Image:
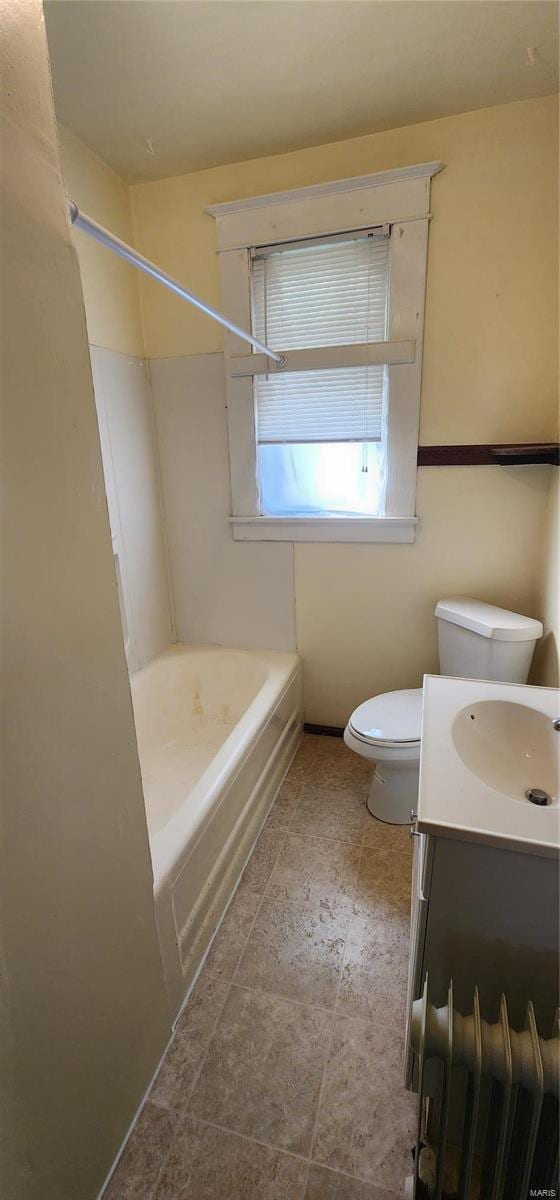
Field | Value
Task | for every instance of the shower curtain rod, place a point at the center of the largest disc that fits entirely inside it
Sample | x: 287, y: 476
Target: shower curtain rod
x: 102, y: 235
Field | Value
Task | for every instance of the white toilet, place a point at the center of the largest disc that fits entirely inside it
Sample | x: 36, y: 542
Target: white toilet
x: 476, y: 641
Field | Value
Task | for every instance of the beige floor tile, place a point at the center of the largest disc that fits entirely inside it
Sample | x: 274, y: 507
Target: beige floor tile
x: 324, y: 1184
x: 374, y: 975
x: 262, y: 1073
x: 315, y: 873
x: 259, y: 868
x: 336, y: 771
x: 185, y: 1054
x: 326, y: 760
x: 210, y: 1164
x: 295, y: 952
x: 230, y: 939
x: 331, y: 812
x: 379, y: 835
x: 285, y: 805
x: 383, y: 887
x: 367, y: 1120
x: 139, y: 1168
x: 333, y: 922
x: 311, y: 747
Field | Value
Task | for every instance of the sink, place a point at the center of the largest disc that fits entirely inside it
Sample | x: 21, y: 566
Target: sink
x: 484, y: 746
x: 510, y: 746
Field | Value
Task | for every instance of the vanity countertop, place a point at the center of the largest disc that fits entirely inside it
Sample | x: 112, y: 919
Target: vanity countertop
x: 484, y: 746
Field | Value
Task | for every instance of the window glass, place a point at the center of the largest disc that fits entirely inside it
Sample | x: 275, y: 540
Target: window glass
x: 323, y: 479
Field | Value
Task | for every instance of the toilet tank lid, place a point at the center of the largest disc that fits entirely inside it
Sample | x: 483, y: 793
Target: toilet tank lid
x: 488, y: 620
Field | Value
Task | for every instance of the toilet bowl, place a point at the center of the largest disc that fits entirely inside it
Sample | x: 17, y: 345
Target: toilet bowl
x: 387, y: 731
x: 476, y: 641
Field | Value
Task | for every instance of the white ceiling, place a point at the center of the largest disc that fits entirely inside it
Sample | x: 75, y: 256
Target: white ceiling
x: 221, y: 81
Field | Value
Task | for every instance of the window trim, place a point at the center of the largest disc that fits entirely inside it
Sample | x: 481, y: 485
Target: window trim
x: 399, y: 198
x: 316, y: 358
x: 324, y: 529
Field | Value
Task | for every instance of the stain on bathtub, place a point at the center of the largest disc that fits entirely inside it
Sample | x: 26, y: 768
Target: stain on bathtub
x: 197, y: 705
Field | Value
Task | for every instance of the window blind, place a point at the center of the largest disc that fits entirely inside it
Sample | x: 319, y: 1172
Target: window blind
x: 327, y: 294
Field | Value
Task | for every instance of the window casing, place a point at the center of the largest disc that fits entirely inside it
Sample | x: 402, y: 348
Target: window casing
x: 341, y: 211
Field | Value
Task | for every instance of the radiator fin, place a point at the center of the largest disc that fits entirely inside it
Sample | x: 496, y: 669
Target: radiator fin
x: 488, y: 1113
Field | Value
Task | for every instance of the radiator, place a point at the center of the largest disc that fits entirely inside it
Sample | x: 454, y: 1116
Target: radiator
x: 488, y: 1113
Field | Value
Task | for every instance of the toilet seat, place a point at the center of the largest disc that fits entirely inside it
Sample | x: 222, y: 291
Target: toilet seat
x: 393, y: 719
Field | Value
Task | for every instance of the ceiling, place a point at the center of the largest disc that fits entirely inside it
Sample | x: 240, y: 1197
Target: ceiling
x: 161, y: 87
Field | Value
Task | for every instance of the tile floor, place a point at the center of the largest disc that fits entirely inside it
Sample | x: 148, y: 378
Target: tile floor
x: 284, y: 1079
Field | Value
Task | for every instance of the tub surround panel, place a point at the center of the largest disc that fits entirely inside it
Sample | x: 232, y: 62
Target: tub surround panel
x: 227, y: 593
x: 126, y: 427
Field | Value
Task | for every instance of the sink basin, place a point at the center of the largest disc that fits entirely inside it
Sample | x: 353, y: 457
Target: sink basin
x: 509, y: 746
x: 484, y: 746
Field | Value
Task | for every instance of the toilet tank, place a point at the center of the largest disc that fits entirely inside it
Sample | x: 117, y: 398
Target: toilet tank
x: 480, y: 641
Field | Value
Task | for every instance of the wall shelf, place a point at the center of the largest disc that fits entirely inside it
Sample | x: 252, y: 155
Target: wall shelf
x: 502, y: 454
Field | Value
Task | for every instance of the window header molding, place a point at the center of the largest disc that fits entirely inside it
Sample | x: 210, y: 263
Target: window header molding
x: 364, y: 201
x: 333, y: 187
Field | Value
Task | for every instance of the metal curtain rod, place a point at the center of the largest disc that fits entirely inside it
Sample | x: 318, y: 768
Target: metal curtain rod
x: 81, y: 221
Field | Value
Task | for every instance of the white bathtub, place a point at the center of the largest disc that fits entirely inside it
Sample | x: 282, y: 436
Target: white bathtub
x: 216, y: 732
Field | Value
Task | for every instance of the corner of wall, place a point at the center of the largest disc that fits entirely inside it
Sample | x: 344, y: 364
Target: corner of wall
x: 111, y: 287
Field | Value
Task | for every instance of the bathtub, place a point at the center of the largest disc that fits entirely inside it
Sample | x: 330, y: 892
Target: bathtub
x: 216, y: 731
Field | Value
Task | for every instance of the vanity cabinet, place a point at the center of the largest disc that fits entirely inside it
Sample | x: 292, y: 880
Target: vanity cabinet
x: 484, y: 917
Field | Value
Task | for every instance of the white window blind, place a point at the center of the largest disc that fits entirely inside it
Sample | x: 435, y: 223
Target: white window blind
x: 328, y: 294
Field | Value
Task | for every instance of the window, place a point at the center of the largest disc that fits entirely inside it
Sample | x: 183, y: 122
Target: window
x: 324, y: 446
x: 321, y: 434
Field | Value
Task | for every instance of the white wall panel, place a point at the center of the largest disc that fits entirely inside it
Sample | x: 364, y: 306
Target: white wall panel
x: 126, y: 427
x: 225, y: 592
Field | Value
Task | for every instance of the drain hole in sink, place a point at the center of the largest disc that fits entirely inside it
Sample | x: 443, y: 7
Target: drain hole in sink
x: 538, y: 796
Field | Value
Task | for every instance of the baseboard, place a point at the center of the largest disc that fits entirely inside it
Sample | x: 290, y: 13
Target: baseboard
x: 135, y: 1118
x: 324, y: 730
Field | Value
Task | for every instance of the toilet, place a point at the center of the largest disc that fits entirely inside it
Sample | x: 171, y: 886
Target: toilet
x: 476, y: 641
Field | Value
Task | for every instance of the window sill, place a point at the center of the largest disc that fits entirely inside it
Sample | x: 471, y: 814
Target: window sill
x: 323, y: 529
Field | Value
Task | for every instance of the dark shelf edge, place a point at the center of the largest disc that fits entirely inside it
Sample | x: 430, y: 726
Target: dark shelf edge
x: 490, y: 455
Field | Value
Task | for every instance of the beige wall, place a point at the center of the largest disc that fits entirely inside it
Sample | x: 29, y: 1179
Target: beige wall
x: 491, y: 331
x: 84, y: 1003
x: 366, y: 621
x: 364, y: 614
x: 110, y: 285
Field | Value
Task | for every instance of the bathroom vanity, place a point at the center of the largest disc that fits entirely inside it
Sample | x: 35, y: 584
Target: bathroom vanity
x: 485, y: 895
